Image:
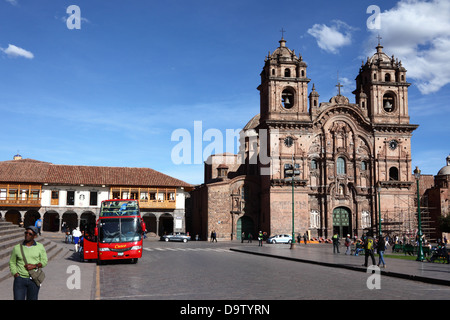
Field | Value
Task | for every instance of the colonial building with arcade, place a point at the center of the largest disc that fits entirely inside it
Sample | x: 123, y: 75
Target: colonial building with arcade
x: 31, y: 189
x: 351, y: 160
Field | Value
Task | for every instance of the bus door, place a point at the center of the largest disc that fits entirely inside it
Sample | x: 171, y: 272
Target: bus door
x: 90, y: 249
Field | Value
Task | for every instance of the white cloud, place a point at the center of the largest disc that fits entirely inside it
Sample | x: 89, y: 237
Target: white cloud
x: 14, y: 51
x: 418, y: 32
x: 13, y: 2
x: 332, y: 38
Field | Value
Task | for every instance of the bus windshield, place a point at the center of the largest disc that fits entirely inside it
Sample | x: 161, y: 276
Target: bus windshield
x: 119, y: 208
x: 120, y: 230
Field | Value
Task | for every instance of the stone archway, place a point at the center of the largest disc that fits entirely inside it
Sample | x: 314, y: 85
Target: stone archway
x: 150, y: 222
x: 13, y: 216
x: 51, y: 221
x: 165, y: 224
x: 30, y: 218
x: 71, y: 219
x: 88, y: 221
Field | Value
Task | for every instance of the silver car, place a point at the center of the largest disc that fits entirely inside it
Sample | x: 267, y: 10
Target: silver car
x: 280, y: 238
x: 176, y: 236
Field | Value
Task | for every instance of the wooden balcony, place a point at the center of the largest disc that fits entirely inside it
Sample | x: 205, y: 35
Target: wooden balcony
x: 149, y: 197
x: 155, y: 204
x: 20, y: 203
x: 17, y: 195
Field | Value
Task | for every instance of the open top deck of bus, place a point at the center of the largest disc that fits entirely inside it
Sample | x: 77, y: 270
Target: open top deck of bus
x: 119, y: 207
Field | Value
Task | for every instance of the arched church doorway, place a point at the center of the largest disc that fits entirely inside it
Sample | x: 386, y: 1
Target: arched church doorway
x: 246, y: 225
x: 341, y: 221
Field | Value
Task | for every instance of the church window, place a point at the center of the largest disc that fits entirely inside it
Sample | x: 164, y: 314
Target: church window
x: 388, y: 102
x: 273, y: 72
x: 303, y: 73
x: 387, y: 77
x: 402, y: 77
x: 363, y: 166
x: 287, y: 73
x: 287, y: 99
x: 393, y: 174
x: 340, y: 166
x: 313, y: 164
x: 374, y: 76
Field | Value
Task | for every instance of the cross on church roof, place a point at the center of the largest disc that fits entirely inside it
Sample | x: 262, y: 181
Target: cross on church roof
x: 282, y: 33
x: 379, y: 38
x: 339, y: 85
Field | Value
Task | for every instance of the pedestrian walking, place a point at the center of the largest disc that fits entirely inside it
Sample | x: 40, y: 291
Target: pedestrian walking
x: 335, y: 243
x: 368, y: 248
x: 38, y: 225
x: 213, y: 236
x: 260, y: 239
x: 242, y: 237
x: 76, y: 237
x: 381, y: 247
x: 305, y: 238
x: 249, y: 238
x: 348, y: 244
x: 24, y: 288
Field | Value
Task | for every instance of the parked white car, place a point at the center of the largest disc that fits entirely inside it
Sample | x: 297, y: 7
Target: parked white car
x: 280, y: 238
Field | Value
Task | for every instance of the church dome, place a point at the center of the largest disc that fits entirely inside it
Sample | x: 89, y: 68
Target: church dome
x: 284, y: 53
x: 445, y: 170
x: 253, y: 123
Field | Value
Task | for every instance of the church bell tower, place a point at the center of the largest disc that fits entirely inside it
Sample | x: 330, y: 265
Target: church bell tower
x: 284, y: 86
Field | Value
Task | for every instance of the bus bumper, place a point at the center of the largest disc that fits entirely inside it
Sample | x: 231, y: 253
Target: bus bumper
x: 113, y: 254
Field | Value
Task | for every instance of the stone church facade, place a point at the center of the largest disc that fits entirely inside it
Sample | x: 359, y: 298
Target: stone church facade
x: 351, y: 161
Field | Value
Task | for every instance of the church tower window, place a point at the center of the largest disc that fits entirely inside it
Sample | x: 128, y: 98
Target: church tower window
x: 393, y: 174
x: 387, y: 77
x: 287, y: 73
x: 388, y: 102
x: 287, y: 98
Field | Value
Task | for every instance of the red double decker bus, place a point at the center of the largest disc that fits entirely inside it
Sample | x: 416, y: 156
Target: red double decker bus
x: 118, y: 233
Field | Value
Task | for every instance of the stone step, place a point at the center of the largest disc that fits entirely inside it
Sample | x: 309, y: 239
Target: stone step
x: 11, y: 235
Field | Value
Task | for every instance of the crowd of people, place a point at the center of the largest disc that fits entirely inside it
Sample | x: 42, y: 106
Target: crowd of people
x: 380, y: 244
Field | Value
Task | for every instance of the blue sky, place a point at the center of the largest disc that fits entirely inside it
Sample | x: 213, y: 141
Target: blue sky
x: 113, y: 92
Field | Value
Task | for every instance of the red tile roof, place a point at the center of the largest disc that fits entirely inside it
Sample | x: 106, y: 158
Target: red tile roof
x: 33, y: 171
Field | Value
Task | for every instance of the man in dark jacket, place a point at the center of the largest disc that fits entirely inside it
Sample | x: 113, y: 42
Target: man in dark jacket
x: 335, y: 243
x: 369, y: 245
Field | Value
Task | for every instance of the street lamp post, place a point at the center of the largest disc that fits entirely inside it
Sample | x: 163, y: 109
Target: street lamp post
x: 292, y: 171
x: 379, y: 209
x: 420, y: 256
